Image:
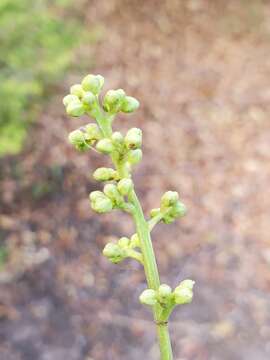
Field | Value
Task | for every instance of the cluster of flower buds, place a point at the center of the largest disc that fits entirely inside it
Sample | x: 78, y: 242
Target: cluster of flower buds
x: 117, y: 101
x: 170, y: 208
x: 83, y: 97
x: 167, y: 298
x: 124, y: 248
x: 113, y: 195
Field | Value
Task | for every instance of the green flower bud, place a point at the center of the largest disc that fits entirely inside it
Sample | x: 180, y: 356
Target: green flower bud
x: 125, y: 186
x: 113, y: 100
x: 105, y: 146
x: 76, y: 138
x: 134, y: 241
x: 69, y: 98
x: 110, y: 190
x: 130, y: 104
x: 104, y: 174
x: 88, y: 99
x: 93, y: 83
x: 117, y: 138
x: 75, y: 108
x: 179, y: 209
x: 183, y: 293
x: 154, y: 212
x: 148, y: 297
x: 134, y: 156
x: 77, y: 90
x: 123, y: 242
x: 102, y: 205
x: 164, y: 293
x: 169, y: 198
x: 95, y: 195
x: 133, y: 139
x: 93, y: 132
x: 114, y: 253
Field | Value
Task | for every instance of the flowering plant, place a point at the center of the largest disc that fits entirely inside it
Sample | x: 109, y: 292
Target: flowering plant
x: 119, y: 193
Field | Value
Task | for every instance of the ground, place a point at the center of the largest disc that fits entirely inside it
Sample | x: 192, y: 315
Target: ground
x: 200, y: 70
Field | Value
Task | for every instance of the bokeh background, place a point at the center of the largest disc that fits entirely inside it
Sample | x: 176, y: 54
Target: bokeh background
x: 200, y: 69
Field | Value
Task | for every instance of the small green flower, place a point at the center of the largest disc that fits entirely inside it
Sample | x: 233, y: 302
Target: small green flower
x: 114, y: 253
x: 117, y: 138
x: 134, y: 241
x: 164, y: 292
x: 130, y: 104
x: 183, y: 293
x: 77, y: 90
x: 113, y: 100
x: 93, y: 83
x: 134, y: 156
x: 93, y: 132
x: 75, y: 108
x: 133, y: 138
x: 105, y: 146
x: 148, y: 297
x: 125, y: 186
x: 69, y: 98
x: 111, y: 191
x: 105, y: 174
x: 102, y: 204
x: 169, y: 199
x: 76, y: 138
x: 124, y: 242
x: 88, y: 99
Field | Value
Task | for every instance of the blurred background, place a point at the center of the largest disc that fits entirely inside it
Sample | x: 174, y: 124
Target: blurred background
x: 200, y: 69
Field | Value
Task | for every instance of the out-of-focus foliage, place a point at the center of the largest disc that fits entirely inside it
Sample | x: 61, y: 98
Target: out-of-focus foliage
x: 36, y: 48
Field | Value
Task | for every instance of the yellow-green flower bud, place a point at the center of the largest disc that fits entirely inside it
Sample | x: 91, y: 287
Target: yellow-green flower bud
x: 130, y: 104
x: 102, y: 205
x: 69, y: 98
x: 117, y: 138
x: 148, y: 297
x: 134, y: 241
x: 110, y: 190
x: 77, y: 90
x: 93, y: 132
x: 95, y: 195
x: 104, y: 174
x: 125, y: 186
x: 88, y: 99
x: 164, y: 293
x: 133, y: 139
x: 179, y: 210
x: 75, y: 108
x: 93, y: 83
x: 105, y: 146
x: 114, y: 253
x: 123, y: 242
x: 154, y: 212
x: 113, y: 100
x: 170, y: 198
x: 183, y: 293
x: 76, y: 138
x: 134, y: 156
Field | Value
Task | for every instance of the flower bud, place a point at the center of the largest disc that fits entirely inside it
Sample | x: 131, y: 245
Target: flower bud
x: 125, y: 186
x: 164, y: 293
x: 76, y: 138
x: 169, y: 198
x: 134, y: 241
x: 113, y: 100
x: 95, y: 195
x: 133, y: 139
x: 88, y: 99
x: 102, y: 204
x: 93, y: 132
x: 154, y: 212
x: 179, y: 209
x: 114, y: 253
x: 134, y: 156
x: 77, y: 90
x: 93, y: 83
x: 148, y: 297
x: 110, y: 190
x: 105, y: 146
x: 117, y: 138
x: 123, y: 242
x: 104, y: 174
x: 183, y: 293
x: 75, y: 108
x: 69, y: 98
x: 130, y: 104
